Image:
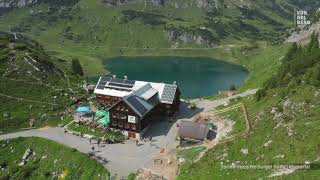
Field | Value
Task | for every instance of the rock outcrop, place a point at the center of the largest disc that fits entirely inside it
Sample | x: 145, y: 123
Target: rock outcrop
x: 198, y: 36
x: 16, y: 3
x: 205, y: 4
x: 303, y: 36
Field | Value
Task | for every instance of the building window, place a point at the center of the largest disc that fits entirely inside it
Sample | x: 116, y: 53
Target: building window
x: 133, y: 126
x: 114, y: 123
x: 117, y: 115
x: 114, y: 115
x: 123, y: 117
x: 120, y: 124
x: 126, y: 125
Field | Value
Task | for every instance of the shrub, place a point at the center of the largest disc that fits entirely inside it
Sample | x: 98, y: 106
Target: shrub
x: 145, y: 17
x: 232, y: 87
x: 193, y: 105
x: 5, y: 177
x: 261, y: 93
x: 76, y: 67
x: 3, y: 164
x: 131, y: 176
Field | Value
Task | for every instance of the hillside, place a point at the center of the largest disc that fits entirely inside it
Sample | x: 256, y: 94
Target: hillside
x: 302, y: 36
x: 92, y: 29
x: 41, y: 40
x: 284, y: 120
x: 207, y: 23
x: 48, y: 160
x: 37, y: 86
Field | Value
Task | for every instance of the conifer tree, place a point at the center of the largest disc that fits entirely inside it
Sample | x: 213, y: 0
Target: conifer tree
x: 76, y: 67
x: 314, y: 42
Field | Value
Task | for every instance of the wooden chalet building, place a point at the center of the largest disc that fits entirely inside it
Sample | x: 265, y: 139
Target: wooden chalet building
x: 135, y: 104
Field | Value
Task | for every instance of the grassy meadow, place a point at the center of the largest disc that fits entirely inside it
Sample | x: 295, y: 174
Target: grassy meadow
x: 49, y: 160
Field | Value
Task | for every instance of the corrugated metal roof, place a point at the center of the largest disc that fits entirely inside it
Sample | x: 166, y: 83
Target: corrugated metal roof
x: 193, y: 130
x: 149, y: 94
x: 145, y: 90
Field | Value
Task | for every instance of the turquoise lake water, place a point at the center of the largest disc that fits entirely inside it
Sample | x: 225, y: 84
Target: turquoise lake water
x: 196, y: 77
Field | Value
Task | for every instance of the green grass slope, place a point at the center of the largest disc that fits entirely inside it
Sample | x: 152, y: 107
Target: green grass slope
x: 92, y: 30
x: 49, y: 161
x: 35, y: 86
x: 284, y: 119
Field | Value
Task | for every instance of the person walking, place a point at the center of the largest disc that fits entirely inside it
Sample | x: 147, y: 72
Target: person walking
x: 98, y: 142
x: 90, y: 140
x: 137, y: 142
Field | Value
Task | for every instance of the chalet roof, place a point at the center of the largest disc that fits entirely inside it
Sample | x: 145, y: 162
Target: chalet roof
x: 168, y: 94
x: 136, y: 105
x: 144, y: 90
x: 193, y: 130
x: 139, y: 105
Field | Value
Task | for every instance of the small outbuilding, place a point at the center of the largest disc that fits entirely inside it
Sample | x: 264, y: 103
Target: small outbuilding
x: 192, y: 131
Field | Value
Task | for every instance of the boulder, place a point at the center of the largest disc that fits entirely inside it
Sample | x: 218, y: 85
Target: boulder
x: 267, y: 143
x: 26, y: 154
x: 245, y: 150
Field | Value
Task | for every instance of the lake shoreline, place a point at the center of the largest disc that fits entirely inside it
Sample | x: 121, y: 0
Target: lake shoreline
x: 196, y: 77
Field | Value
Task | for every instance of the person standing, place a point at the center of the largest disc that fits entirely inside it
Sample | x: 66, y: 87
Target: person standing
x: 92, y: 148
x: 98, y: 142
x: 90, y: 140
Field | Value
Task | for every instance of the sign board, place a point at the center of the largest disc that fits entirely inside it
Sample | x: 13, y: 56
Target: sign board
x: 131, y: 119
x: 301, y: 18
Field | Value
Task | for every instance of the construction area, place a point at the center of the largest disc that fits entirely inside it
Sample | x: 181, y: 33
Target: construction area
x: 167, y: 164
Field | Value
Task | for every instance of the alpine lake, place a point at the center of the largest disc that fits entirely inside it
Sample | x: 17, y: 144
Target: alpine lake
x: 195, y: 77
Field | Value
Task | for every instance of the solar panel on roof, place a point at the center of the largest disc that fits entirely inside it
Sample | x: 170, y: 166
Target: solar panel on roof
x: 137, y: 105
x: 131, y: 82
x: 103, y: 78
x: 120, y: 85
x: 119, y: 81
x: 100, y: 87
x: 101, y: 84
x: 127, y: 85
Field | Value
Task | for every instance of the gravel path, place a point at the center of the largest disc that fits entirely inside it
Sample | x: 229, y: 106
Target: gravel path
x: 123, y: 158
x: 209, y: 105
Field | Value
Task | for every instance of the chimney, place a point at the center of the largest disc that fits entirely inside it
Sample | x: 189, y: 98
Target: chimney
x: 174, y: 82
x: 114, y: 76
x: 125, y: 77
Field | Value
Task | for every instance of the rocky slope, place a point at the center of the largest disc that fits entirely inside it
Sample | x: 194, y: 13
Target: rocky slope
x: 24, y: 59
x: 37, y: 85
x: 302, y: 36
x: 17, y: 3
x: 178, y: 23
